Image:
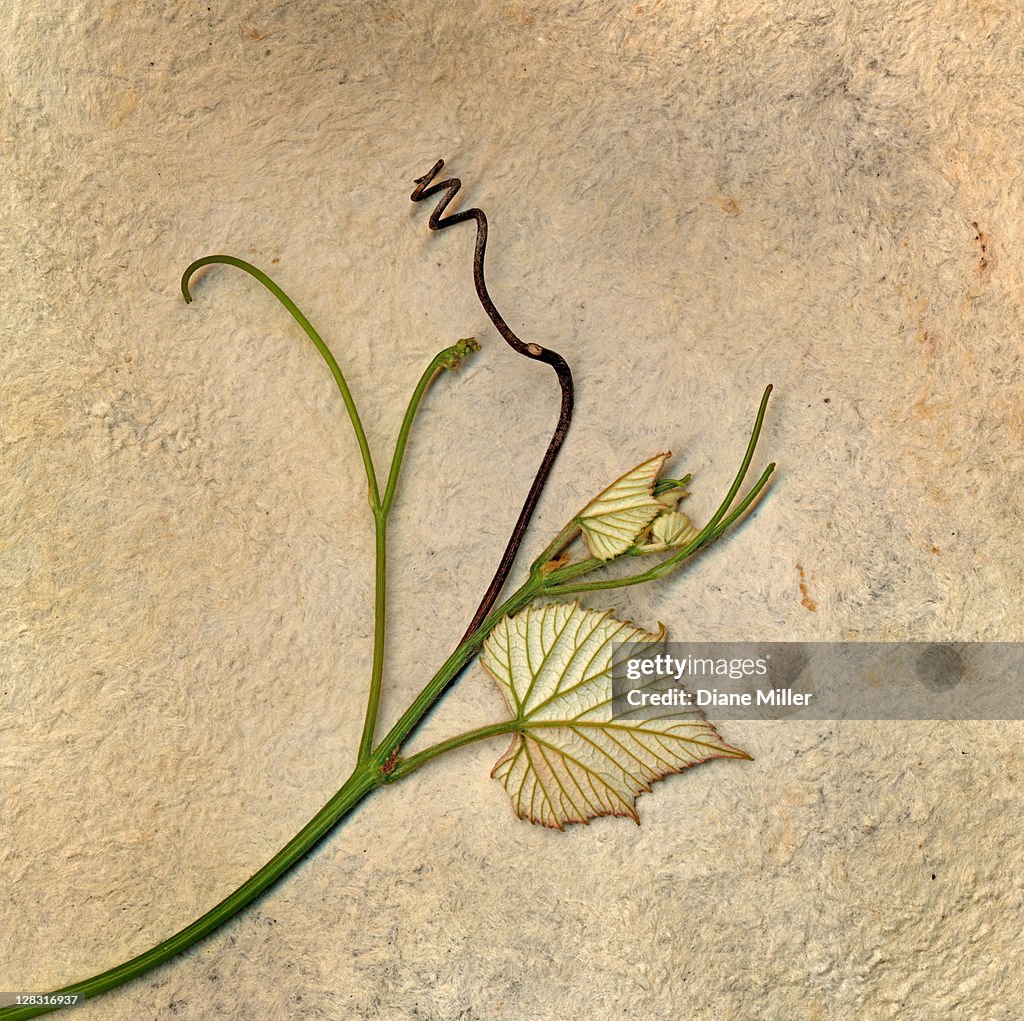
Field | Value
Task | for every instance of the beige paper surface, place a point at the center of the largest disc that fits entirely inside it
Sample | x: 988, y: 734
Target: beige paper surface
x: 688, y: 202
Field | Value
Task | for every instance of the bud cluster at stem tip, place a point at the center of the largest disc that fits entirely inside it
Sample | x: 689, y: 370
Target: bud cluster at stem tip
x: 459, y: 350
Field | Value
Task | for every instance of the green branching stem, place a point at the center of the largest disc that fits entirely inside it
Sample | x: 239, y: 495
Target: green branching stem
x: 449, y: 358
x: 530, y: 591
x: 379, y: 765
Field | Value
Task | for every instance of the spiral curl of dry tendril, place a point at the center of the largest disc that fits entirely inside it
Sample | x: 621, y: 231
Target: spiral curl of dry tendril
x: 449, y: 187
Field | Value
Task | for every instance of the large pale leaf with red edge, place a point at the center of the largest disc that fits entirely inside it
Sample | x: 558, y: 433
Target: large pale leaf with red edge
x: 618, y: 516
x: 569, y: 761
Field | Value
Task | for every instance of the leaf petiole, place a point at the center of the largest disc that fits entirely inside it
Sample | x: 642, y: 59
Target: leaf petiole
x: 404, y: 766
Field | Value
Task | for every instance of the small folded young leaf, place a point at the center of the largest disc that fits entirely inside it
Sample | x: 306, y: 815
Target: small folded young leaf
x: 569, y: 760
x: 617, y: 517
x: 670, y: 530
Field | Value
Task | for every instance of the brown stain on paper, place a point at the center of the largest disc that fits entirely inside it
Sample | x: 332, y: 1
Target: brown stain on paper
x: 983, y: 241
x: 805, y: 593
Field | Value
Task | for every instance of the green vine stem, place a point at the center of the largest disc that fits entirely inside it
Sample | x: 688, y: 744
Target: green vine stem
x: 383, y: 764
x: 354, y: 790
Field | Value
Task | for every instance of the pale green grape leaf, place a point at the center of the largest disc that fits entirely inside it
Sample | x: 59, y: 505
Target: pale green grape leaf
x: 569, y: 760
x: 668, y: 531
x: 617, y: 517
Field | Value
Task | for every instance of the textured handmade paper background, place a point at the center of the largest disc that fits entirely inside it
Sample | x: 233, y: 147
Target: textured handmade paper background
x: 688, y: 201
